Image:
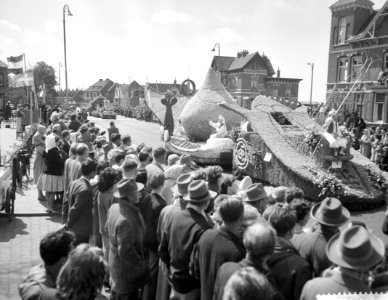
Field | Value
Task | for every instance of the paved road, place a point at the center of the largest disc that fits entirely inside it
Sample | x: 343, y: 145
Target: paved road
x: 140, y: 131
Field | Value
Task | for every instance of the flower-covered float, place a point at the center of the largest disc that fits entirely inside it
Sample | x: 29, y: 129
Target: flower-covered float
x: 286, y: 147
x: 202, y: 126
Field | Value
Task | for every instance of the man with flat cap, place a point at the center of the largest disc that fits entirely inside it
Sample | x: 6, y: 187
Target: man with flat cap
x: 330, y: 215
x: 181, y: 235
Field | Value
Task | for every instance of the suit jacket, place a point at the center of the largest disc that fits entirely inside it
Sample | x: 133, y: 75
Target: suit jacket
x: 177, y: 244
x: 214, y: 248
x: 126, y: 229
x: 80, y: 195
x: 312, y: 247
x: 338, y: 282
x: 72, y: 171
x: 150, y: 207
x: 289, y: 270
x: 229, y: 268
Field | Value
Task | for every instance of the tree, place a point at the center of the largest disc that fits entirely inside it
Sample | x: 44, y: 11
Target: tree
x: 44, y: 78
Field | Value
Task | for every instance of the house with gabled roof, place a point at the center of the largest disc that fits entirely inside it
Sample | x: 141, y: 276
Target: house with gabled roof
x: 102, y: 87
x: 128, y: 95
x: 358, y: 59
x: 250, y: 74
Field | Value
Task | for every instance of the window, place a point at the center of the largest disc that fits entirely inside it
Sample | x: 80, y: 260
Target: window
x: 1, y: 79
x: 356, y: 66
x: 288, y: 93
x: 385, y: 62
x: 343, y: 69
x: 379, y: 107
x: 335, y: 35
x: 254, y: 81
x: 275, y: 93
x: 342, y: 31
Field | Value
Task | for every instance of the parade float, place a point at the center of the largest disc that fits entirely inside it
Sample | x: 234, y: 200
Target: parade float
x: 286, y: 147
x: 196, y: 125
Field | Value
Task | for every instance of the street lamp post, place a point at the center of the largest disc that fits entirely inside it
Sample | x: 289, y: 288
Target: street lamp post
x: 65, y: 8
x: 219, y: 48
x: 311, y: 86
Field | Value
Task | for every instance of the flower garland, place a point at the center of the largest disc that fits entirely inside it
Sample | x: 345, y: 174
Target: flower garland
x: 234, y: 134
x: 312, y: 138
x: 377, y: 179
x: 330, y: 185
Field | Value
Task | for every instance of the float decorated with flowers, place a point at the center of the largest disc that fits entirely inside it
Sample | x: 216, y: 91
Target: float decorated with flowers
x: 286, y: 147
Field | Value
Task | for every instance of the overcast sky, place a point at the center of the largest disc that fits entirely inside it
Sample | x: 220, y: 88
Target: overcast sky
x: 161, y: 40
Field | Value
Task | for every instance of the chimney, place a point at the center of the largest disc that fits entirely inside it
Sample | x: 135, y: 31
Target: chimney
x: 107, y: 79
x: 239, y: 54
x: 175, y: 80
x: 100, y: 80
x: 245, y: 53
x: 278, y: 73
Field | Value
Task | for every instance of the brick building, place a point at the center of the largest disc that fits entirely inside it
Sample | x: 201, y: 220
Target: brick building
x: 74, y: 98
x: 250, y: 74
x: 127, y: 95
x: 358, y: 59
x: 102, y: 87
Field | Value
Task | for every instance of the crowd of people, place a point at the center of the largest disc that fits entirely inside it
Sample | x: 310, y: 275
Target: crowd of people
x: 143, y: 223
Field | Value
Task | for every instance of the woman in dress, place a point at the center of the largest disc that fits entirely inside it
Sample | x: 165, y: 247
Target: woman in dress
x: 51, y: 181
x: 39, y: 165
x: 365, y: 144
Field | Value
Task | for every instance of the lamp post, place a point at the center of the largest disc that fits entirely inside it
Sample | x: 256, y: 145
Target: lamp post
x: 311, y: 87
x: 219, y: 48
x: 65, y: 8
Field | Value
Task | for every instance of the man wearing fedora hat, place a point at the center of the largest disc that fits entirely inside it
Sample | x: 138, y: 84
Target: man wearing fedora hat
x: 355, y: 251
x: 180, y: 189
x: 128, y: 268
x: 330, y: 215
x: 257, y: 197
x: 178, y: 240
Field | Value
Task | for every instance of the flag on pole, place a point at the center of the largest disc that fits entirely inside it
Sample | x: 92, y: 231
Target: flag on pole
x: 23, y: 79
x: 16, y: 64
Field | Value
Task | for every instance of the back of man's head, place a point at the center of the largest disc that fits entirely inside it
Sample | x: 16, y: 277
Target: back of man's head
x: 81, y: 149
x: 126, y: 139
x: 88, y: 167
x: 129, y: 165
x: 143, y: 156
x: 259, y: 240
x: 282, y: 219
x: 156, y: 180
x: 159, y: 153
x: 56, y: 245
x: 231, y: 209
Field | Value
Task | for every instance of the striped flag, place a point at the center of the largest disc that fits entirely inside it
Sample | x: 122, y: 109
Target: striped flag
x: 16, y: 64
x: 23, y: 79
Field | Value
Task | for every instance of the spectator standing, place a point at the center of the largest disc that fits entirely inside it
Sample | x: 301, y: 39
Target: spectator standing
x: 128, y: 268
x: 127, y: 145
x: 74, y: 124
x: 256, y: 197
x: 55, y: 119
x: 39, y: 164
x: 80, y: 195
x: 72, y: 171
x: 356, y: 251
x: 216, y: 247
x: 259, y: 242
x: 302, y: 209
x: 65, y: 145
x: 151, y: 207
x: 365, y: 144
x: 144, y: 160
x: 157, y: 165
x: 51, y: 181
x: 111, y: 130
x: 40, y: 281
x: 178, y: 240
x: 330, y: 215
x: 116, y: 140
x: 289, y: 270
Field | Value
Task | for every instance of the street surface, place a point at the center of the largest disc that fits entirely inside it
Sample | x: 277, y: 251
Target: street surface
x: 19, y: 239
x: 140, y: 131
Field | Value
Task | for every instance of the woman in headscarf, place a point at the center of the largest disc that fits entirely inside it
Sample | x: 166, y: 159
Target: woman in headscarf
x: 365, y: 144
x: 51, y: 181
x: 39, y: 165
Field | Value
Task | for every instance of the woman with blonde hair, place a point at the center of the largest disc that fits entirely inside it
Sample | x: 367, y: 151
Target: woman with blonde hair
x: 39, y: 164
x: 81, y: 277
x: 365, y: 144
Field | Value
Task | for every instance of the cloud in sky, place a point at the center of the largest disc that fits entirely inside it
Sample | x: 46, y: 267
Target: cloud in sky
x: 161, y: 40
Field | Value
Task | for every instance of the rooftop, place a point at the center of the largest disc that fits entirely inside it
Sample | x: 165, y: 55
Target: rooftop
x: 100, y: 85
x: 350, y: 3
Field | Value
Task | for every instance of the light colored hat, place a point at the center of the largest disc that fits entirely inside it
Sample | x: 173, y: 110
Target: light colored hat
x: 245, y: 183
x: 255, y: 192
x: 182, y: 184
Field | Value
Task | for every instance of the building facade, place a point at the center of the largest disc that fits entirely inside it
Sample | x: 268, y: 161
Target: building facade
x: 74, y: 98
x: 358, y: 59
x: 102, y: 87
x: 127, y: 95
x: 250, y: 74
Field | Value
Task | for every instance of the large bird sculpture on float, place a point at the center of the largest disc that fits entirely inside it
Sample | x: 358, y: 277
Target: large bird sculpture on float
x: 278, y: 151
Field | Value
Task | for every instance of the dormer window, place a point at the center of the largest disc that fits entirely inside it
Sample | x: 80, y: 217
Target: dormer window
x: 343, y: 30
